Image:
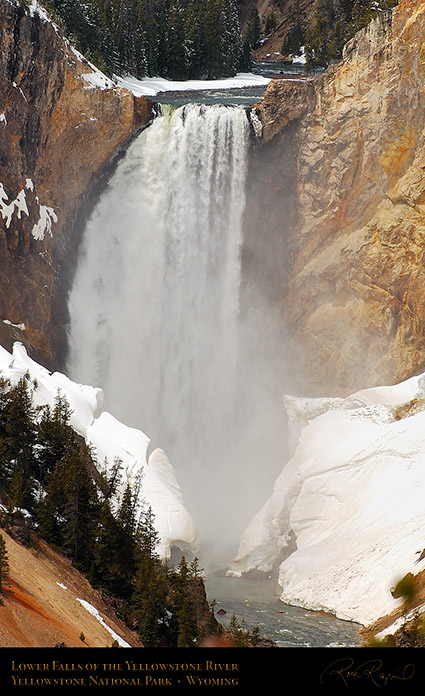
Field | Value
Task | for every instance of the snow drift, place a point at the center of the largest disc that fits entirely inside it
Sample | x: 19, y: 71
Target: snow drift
x: 109, y: 439
x: 347, y: 513
x: 151, y: 86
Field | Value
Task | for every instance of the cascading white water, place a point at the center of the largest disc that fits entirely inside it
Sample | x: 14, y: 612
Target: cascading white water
x: 154, y: 309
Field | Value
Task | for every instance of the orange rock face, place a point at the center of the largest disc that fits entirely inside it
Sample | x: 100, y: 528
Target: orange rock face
x: 58, y: 132
x: 353, y: 251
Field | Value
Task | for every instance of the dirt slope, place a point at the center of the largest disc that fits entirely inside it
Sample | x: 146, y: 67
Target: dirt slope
x: 285, y: 12
x: 37, y: 611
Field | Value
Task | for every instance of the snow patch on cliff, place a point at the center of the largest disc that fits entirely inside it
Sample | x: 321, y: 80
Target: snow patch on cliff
x: 97, y: 79
x: 44, y: 224
x: 15, y: 326
x: 109, y: 439
x: 347, y: 509
x: 36, y: 8
x: 17, y: 207
x: 9, y: 208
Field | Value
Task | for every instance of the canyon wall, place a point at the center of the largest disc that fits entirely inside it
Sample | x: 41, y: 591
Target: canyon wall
x: 59, y: 129
x: 349, y: 206
x: 335, y: 215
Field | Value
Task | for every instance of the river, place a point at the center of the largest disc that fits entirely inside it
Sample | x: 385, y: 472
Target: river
x: 238, y: 96
x: 255, y: 602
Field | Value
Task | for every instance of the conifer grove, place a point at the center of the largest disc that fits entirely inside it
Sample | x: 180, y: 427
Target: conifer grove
x: 48, y: 475
x: 177, y: 39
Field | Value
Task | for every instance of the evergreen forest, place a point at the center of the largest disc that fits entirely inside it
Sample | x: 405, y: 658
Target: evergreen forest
x: 175, y: 39
x: 50, y: 484
x: 197, y: 39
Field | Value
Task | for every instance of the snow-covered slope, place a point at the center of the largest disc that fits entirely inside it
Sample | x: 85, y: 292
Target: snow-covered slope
x: 150, y: 86
x: 110, y: 439
x: 352, y: 497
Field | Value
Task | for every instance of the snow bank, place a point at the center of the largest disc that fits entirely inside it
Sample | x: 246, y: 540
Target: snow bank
x: 352, y: 498
x: 110, y: 439
x: 153, y: 85
x: 94, y: 612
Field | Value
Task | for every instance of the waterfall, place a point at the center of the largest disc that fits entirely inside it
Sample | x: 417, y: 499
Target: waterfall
x: 154, y: 309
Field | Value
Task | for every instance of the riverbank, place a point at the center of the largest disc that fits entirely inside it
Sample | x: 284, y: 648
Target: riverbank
x: 256, y: 602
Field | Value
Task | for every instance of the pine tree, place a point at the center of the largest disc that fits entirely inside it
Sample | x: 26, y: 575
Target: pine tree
x: 55, y: 436
x: 82, y: 22
x: 109, y: 567
x: 4, y: 392
x: 18, y: 443
x: 78, y: 511
x: 126, y: 539
x: 156, y: 27
x: 295, y: 37
x: 178, y: 49
x: 149, y: 600
x: 19, y: 495
x: 147, y: 536
x: 271, y: 23
x: 195, y: 571
x: 223, y: 45
x: 4, y: 561
x: 70, y: 494
x: 317, y: 35
x: 109, y: 478
x: 252, y: 32
x: 183, y: 607
x: 212, y: 626
x: 50, y: 512
x: 195, y: 40
x: 4, y: 465
x: 238, y: 633
x: 127, y: 512
x: 187, y: 634
x: 19, y: 425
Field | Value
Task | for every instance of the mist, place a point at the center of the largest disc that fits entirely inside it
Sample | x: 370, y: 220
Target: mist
x: 163, y: 321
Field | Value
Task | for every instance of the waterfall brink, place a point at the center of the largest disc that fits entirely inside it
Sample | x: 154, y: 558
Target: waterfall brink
x: 154, y: 309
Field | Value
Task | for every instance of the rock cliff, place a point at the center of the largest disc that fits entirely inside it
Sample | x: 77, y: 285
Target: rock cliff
x: 61, y: 122
x: 347, y: 186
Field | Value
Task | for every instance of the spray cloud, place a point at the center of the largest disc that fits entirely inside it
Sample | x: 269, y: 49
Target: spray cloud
x: 156, y: 321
